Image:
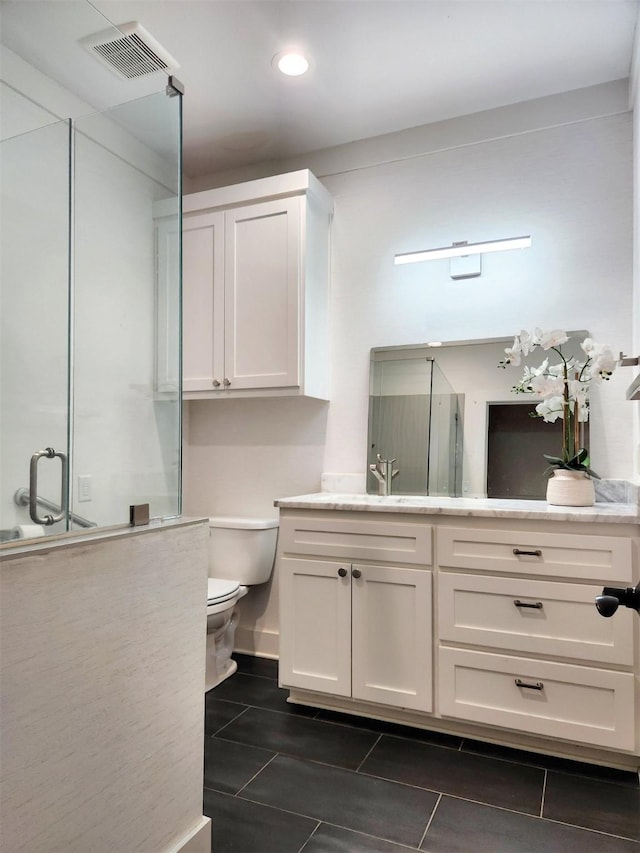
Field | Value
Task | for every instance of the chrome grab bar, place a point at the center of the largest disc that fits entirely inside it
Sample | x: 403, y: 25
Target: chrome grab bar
x: 22, y: 498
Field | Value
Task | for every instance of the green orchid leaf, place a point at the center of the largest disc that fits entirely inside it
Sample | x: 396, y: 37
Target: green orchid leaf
x: 579, y: 462
x: 554, y: 460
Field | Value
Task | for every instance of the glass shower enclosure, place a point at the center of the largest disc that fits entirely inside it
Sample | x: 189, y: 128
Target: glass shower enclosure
x: 415, y: 418
x: 90, y: 393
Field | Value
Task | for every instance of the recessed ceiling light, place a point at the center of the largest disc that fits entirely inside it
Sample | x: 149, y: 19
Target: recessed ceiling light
x: 291, y: 63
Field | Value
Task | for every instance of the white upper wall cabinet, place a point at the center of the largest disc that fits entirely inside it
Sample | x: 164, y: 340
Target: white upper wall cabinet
x: 255, y: 289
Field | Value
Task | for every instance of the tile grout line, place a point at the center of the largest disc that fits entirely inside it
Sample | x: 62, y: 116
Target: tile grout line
x: 357, y: 770
x: 228, y: 723
x: 429, y: 822
x: 315, y: 829
x: 583, y: 828
x: 400, y: 844
x: 544, y: 791
x: 305, y: 760
x: 255, y: 675
x: 255, y: 775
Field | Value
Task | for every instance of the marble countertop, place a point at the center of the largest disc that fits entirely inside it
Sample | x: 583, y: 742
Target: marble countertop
x: 479, y: 507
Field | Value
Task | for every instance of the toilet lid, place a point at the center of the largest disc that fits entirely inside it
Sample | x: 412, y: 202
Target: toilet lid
x: 221, y: 590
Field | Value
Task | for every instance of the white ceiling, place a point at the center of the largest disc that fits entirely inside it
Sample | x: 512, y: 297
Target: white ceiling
x: 377, y: 66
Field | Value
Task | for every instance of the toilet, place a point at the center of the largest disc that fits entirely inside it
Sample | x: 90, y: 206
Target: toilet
x: 241, y: 555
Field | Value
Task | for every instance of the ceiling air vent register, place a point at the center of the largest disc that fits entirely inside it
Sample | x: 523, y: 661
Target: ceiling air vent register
x: 130, y: 51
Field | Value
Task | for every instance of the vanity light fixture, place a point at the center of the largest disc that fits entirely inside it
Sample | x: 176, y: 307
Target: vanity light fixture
x: 465, y: 256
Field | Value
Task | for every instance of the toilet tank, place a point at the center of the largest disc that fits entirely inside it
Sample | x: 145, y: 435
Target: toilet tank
x: 242, y: 549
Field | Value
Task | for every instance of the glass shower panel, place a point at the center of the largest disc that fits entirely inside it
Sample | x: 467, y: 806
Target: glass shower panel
x: 34, y: 318
x: 445, y: 442
x: 127, y: 392
x: 399, y: 421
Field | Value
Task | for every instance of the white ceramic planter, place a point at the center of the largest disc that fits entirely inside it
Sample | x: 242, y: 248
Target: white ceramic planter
x: 570, y: 488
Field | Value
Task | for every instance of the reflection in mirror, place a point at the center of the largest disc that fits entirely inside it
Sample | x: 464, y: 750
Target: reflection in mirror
x: 415, y: 418
x: 423, y: 399
x: 516, y: 445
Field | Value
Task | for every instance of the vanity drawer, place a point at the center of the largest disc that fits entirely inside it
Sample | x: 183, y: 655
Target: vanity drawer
x: 592, y: 706
x: 357, y: 540
x: 540, y: 617
x: 568, y: 555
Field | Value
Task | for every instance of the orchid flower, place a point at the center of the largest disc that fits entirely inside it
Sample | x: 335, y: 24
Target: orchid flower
x: 562, y: 388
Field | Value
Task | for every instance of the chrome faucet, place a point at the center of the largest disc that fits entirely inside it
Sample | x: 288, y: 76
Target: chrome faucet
x: 384, y: 473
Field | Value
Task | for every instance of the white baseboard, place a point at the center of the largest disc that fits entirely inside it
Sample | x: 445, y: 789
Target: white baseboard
x: 198, y: 840
x: 262, y: 644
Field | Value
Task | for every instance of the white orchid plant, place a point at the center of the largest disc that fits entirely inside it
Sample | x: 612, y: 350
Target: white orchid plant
x: 563, y: 388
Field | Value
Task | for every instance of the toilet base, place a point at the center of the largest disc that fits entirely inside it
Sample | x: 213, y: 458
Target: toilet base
x: 214, y: 678
x: 221, y: 631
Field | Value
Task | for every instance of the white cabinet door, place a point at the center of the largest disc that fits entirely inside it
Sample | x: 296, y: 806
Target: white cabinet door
x: 262, y: 280
x: 315, y: 625
x: 203, y: 301
x: 391, y: 636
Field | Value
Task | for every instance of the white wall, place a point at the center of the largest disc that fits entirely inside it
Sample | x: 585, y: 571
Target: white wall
x: 558, y: 168
x: 567, y: 186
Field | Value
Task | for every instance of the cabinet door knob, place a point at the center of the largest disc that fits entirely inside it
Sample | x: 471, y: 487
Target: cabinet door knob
x: 215, y: 383
x: 342, y: 572
x: 356, y: 573
x: 226, y: 382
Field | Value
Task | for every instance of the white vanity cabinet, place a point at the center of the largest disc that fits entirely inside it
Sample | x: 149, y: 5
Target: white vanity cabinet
x: 255, y: 289
x: 514, y: 650
x: 355, y: 629
x: 520, y: 642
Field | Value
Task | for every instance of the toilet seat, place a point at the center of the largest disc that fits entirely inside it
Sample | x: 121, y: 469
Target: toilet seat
x: 219, y: 591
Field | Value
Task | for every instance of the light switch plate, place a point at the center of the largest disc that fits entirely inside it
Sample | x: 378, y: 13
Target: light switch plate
x: 84, y: 488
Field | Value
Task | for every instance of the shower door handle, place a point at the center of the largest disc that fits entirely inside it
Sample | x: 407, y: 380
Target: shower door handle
x: 47, y: 520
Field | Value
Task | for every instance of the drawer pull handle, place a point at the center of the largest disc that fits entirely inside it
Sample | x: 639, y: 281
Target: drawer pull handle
x: 342, y: 572
x: 537, y: 686
x: 534, y: 605
x: 520, y: 553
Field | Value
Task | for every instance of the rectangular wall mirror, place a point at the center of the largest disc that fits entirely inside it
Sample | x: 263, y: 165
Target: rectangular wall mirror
x: 447, y: 415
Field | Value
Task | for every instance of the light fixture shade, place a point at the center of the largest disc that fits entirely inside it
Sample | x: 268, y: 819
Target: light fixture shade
x: 458, y: 250
x: 465, y: 266
x: 292, y: 63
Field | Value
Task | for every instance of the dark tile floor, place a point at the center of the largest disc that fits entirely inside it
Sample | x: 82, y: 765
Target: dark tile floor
x: 281, y: 778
